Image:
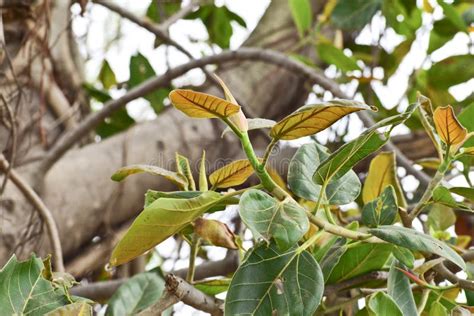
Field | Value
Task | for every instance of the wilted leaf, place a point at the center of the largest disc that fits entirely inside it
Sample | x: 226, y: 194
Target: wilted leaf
x: 382, y: 173
x: 202, y: 105
x: 398, y: 287
x: 381, y: 211
x: 302, y: 15
x: 343, y: 159
x: 313, y: 118
x: 233, y: 174
x: 256, y: 123
x: 124, y: 172
x: 303, y: 165
x: 382, y: 304
x: 136, y: 294
x: 23, y: 290
x: 267, y: 218
x: 158, y: 221
x: 270, y: 281
x: 448, y: 127
x: 184, y: 170
x: 412, y: 239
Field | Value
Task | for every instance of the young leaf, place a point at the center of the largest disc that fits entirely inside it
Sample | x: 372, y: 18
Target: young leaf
x: 133, y: 296
x: 313, y: 118
x: 382, y: 304
x: 256, y: 123
x: 202, y: 173
x: 267, y: 218
x: 216, y: 233
x: 302, y: 15
x: 381, y: 211
x: 343, y: 159
x: 448, y: 126
x: 107, y: 75
x: 398, y: 287
x: 24, y: 291
x: 202, y: 105
x: 151, y: 196
x: 184, y: 169
x: 124, y: 172
x: 437, y: 309
x: 303, y: 165
x: 382, y: 173
x: 414, y: 240
x: 270, y: 281
x: 239, y: 118
x: 233, y: 174
x: 158, y: 221
x: 213, y: 286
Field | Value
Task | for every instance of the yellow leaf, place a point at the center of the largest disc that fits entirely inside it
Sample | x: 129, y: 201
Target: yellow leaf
x: 382, y: 172
x: 124, y: 172
x: 277, y: 178
x: 429, y: 163
x: 202, y: 105
x: 235, y: 173
x: 448, y: 126
x: 202, y: 173
x: 468, y: 151
x: 311, y: 119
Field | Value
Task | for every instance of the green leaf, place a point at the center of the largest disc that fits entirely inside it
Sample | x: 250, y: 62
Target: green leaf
x: 442, y: 196
x: 23, y: 290
x: 443, y: 31
x: 303, y: 165
x: 107, y: 75
x: 467, y: 193
x: 437, y: 309
x: 202, y: 173
x: 213, y: 286
x: 270, y: 281
x: 354, y: 14
x: 139, y: 292
x: 398, y: 287
x: 140, y: 71
x: 232, y: 174
x: 184, y: 170
x: 414, y: 240
x: 124, y: 172
x: 76, y: 309
x: 382, y: 304
x: 451, y: 71
x: 343, y: 159
x: 332, y: 55
x: 256, y: 123
x: 360, y: 259
x: 381, y: 211
x: 441, y: 217
x: 404, y: 255
x: 453, y: 16
x: 267, y: 218
x: 158, y: 221
x: 151, y: 196
x: 158, y: 12
x: 302, y: 15
x: 411, y: 17
x: 313, y: 118
x: 333, y: 256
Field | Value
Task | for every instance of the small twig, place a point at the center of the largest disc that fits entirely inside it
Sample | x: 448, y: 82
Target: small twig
x: 347, y: 284
x: 192, y: 258
x: 14, y: 142
x: 43, y: 211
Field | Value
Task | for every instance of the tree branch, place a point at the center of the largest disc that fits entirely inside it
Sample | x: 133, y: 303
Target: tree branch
x: 255, y: 54
x: 42, y: 209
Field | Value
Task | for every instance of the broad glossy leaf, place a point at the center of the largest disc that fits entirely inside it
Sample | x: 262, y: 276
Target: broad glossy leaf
x: 415, y: 240
x: 354, y: 14
x: 139, y: 292
x: 302, y: 15
x: 267, y: 218
x: 451, y: 71
x: 158, y: 221
x: 202, y: 105
x: 256, y: 123
x: 184, y: 169
x: 381, y: 211
x: 382, y: 304
x: 233, y: 174
x: 202, y: 173
x: 343, y: 159
x: 382, y: 173
x: 24, y: 291
x: 398, y: 287
x: 270, y: 281
x: 332, y: 55
x: 448, y: 126
x: 124, y: 172
x: 303, y: 165
x: 313, y: 118
x: 359, y: 260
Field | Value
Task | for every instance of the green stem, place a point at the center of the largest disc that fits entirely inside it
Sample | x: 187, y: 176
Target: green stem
x: 192, y: 258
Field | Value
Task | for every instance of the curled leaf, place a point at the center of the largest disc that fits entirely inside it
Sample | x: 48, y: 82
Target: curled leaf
x: 239, y: 118
x: 257, y: 123
x: 311, y: 119
x: 233, y: 174
x: 202, y: 105
x: 184, y: 169
x: 448, y: 126
x: 124, y: 172
x: 215, y: 233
